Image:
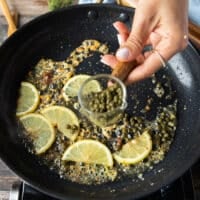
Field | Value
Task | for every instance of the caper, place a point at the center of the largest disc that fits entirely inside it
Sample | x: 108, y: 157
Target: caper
x: 115, y: 99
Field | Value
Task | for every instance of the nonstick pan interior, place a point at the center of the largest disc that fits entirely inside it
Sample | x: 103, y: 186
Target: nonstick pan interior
x: 55, y: 35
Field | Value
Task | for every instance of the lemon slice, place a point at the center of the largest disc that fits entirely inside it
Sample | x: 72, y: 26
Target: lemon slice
x: 40, y: 131
x: 90, y: 152
x: 65, y: 120
x: 28, y: 100
x: 135, y: 150
x: 73, y: 85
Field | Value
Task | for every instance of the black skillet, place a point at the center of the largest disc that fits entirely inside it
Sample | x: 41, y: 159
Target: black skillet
x: 55, y: 35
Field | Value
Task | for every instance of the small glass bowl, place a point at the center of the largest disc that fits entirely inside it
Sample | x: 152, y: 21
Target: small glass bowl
x: 104, y: 118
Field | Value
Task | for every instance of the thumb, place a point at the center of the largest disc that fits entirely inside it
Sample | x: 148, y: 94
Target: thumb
x: 131, y: 48
x: 134, y: 44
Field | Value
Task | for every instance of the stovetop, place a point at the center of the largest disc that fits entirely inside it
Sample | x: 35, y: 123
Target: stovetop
x: 186, y: 187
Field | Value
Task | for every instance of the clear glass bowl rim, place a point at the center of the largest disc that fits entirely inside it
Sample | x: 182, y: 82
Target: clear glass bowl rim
x: 107, y: 76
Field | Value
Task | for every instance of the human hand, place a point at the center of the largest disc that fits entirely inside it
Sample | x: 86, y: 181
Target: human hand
x: 160, y: 23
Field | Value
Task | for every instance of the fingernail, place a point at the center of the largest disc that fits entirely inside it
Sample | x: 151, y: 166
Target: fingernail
x: 123, y: 53
x: 114, y: 24
x: 119, y: 39
x: 103, y: 61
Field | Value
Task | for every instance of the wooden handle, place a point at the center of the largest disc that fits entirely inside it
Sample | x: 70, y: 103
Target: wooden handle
x: 122, y: 69
x: 7, y: 14
x: 15, y: 17
x: 194, y: 33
